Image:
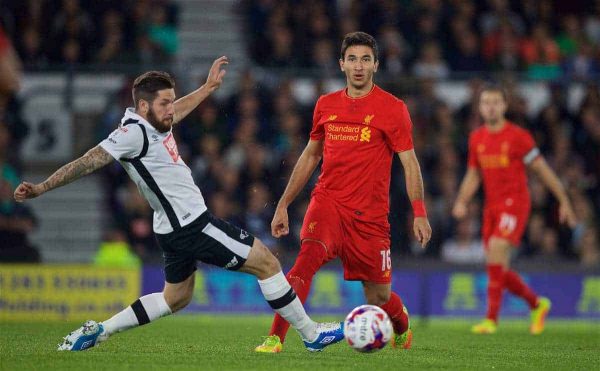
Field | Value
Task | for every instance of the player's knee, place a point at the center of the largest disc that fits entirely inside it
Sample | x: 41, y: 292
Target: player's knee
x: 268, y: 264
x: 378, y: 298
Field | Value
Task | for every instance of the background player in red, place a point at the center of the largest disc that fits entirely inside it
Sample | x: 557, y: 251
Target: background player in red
x: 499, y: 154
x: 356, y: 132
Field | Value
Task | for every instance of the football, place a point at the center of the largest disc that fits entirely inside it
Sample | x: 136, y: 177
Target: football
x: 368, y: 328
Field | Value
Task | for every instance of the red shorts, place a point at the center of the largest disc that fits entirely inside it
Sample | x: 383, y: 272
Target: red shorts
x: 508, y: 222
x: 363, y: 247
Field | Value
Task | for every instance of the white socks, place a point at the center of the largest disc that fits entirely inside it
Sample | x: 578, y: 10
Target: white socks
x: 282, y: 298
x: 142, y: 311
x: 276, y: 289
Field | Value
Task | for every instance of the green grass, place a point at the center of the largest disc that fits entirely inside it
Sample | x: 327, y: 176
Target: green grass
x: 227, y: 342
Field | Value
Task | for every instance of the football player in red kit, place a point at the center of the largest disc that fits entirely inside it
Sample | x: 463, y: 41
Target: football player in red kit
x: 500, y: 152
x: 356, y: 132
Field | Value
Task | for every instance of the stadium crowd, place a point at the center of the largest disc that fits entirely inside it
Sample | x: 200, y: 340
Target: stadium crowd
x: 242, y: 148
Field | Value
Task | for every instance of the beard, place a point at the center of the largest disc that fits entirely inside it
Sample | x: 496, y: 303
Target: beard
x: 161, y: 126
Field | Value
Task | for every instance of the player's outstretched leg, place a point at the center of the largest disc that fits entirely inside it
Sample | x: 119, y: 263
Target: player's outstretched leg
x: 311, y: 257
x: 403, y: 340
x: 381, y: 294
x: 399, y: 316
x: 83, y: 338
x: 538, y: 315
x: 144, y: 310
x: 539, y: 306
x: 495, y: 288
x: 282, y: 298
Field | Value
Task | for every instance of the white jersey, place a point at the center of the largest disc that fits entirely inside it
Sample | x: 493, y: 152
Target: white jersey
x: 152, y: 161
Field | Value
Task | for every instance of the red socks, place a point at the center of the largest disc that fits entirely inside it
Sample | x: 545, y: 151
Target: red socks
x: 495, y: 287
x: 394, y: 309
x: 514, y: 284
x: 311, y: 257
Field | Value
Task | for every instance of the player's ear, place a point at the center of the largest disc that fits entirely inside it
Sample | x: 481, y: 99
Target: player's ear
x: 144, y: 106
x: 342, y: 64
x: 376, y: 66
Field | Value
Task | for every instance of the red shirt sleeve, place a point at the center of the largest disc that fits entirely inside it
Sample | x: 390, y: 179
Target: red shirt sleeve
x: 400, y: 135
x: 317, y: 132
x: 526, y: 147
x: 472, y: 157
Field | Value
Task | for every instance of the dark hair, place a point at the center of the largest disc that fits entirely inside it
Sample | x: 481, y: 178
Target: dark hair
x: 495, y: 89
x: 359, y: 38
x: 146, y: 85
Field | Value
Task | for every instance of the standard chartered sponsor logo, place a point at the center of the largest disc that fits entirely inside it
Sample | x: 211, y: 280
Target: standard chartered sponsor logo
x: 343, y: 128
x: 348, y: 133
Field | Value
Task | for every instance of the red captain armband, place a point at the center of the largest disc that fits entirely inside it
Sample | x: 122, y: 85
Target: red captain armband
x: 418, y: 207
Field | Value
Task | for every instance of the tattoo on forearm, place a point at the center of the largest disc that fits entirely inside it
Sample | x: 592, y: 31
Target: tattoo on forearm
x: 93, y: 160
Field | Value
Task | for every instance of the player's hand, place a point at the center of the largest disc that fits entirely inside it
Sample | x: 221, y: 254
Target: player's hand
x: 215, y: 75
x: 422, y: 230
x: 459, y: 210
x: 566, y: 215
x: 27, y: 190
x: 280, y: 223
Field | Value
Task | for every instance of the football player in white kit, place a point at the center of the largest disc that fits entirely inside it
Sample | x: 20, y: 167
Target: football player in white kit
x: 144, y: 145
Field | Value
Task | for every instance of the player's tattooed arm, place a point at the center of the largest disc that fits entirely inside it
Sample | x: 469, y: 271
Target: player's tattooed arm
x: 93, y: 160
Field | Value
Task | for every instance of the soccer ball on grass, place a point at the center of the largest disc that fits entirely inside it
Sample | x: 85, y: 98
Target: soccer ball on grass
x: 368, y: 328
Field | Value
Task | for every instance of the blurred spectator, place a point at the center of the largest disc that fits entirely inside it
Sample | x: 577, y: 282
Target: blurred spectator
x: 324, y: 58
x: 31, y: 49
x: 16, y: 222
x: 259, y: 212
x: 571, y: 36
x: 222, y: 207
x: 162, y: 34
x: 583, y: 65
x: 465, y: 247
x: 394, y: 51
x: 115, y: 252
x: 589, y: 248
x: 468, y: 56
x: 282, y: 51
x: 535, y: 234
x: 501, y: 49
x: 592, y: 23
x: 136, y: 219
x: 73, y: 29
x: 13, y: 128
x: 16, y: 219
x: 430, y: 63
x: 541, y: 54
x: 500, y: 12
x: 113, y: 43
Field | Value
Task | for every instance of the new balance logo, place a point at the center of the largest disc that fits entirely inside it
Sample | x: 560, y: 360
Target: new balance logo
x: 87, y: 344
x: 243, y: 234
x: 232, y: 263
x: 327, y: 340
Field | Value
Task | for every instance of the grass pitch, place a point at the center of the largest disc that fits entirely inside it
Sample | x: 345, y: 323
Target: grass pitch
x: 210, y: 342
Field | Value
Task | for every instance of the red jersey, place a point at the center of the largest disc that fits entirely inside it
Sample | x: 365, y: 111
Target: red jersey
x: 501, y: 157
x: 360, y: 138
